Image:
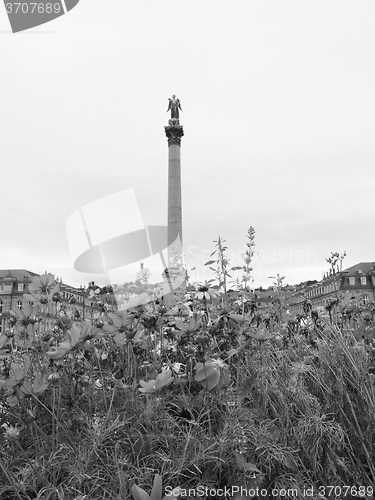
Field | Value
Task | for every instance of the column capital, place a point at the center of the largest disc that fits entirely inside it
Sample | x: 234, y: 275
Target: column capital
x: 174, y: 134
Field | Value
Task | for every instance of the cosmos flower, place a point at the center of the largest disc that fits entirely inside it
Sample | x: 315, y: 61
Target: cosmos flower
x: 25, y: 316
x: 41, y: 288
x: 121, y: 328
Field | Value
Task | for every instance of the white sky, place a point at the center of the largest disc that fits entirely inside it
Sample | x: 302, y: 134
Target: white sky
x: 278, y: 111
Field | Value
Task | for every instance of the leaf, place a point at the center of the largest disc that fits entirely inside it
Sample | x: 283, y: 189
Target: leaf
x: 16, y: 370
x: 40, y: 383
x: 9, y: 383
x: 139, y: 493
x: 26, y: 388
x: 226, y: 374
x: 156, y: 488
x: 235, y: 268
x: 290, y: 463
x: 241, y: 461
x: 204, y: 370
x: 180, y: 325
x: 193, y: 324
x: 210, y: 262
x: 212, y: 380
x: 27, y: 364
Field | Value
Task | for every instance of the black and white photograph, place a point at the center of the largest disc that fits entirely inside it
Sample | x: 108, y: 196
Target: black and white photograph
x: 187, y: 255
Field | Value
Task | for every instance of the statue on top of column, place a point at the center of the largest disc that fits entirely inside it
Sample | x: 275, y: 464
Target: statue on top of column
x: 174, y: 105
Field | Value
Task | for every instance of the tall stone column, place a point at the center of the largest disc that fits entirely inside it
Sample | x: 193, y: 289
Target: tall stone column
x: 174, y: 132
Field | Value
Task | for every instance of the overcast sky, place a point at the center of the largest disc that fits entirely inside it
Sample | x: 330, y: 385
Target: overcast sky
x: 278, y: 111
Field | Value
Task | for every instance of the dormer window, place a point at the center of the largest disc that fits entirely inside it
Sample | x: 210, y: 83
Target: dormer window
x: 20, y: 287
x: 351, y: 281
x: 363, y: 280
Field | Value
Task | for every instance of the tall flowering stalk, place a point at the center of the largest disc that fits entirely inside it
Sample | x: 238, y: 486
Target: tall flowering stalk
x: 335, y: 262
x: 247, y: 268
x: 222, y: 265
x: 278, y: 289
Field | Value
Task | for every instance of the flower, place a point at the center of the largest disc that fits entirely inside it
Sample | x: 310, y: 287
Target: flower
x: 162, y: 380
x: 10, y: 432
x: 120, y: 329
x: 64, y: 323
x: 42, y: 287
x: 53, y: 378
x: 25, y: 316
x: 206, y: 293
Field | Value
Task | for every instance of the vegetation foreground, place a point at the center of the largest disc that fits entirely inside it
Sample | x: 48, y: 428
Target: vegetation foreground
x: 207, y: 394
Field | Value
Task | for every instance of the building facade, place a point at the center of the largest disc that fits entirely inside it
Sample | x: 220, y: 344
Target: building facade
x: 355, y: 285
x: 14, y: 283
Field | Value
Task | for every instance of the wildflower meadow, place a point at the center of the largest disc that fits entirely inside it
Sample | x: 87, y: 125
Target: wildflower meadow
x: 157, y: 402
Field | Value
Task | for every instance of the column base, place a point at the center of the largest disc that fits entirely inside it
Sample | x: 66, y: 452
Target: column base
x: 173, y: 285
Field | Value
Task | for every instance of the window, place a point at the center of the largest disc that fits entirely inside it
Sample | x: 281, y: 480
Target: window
x: 351, y: 281
x: 365, y: 299
x: 1, y: 306
x: 19, y: 304
x: 20, y: 287
x: 363, y: 280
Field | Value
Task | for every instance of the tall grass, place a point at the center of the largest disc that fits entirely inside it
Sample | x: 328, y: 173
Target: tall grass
x: 297, y: 412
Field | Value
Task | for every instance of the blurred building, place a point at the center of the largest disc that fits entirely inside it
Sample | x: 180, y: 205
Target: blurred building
x: 355, y: 285
x: 76, y: 302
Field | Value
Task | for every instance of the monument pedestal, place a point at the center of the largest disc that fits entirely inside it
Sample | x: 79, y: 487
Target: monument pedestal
x: 173, y: 285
